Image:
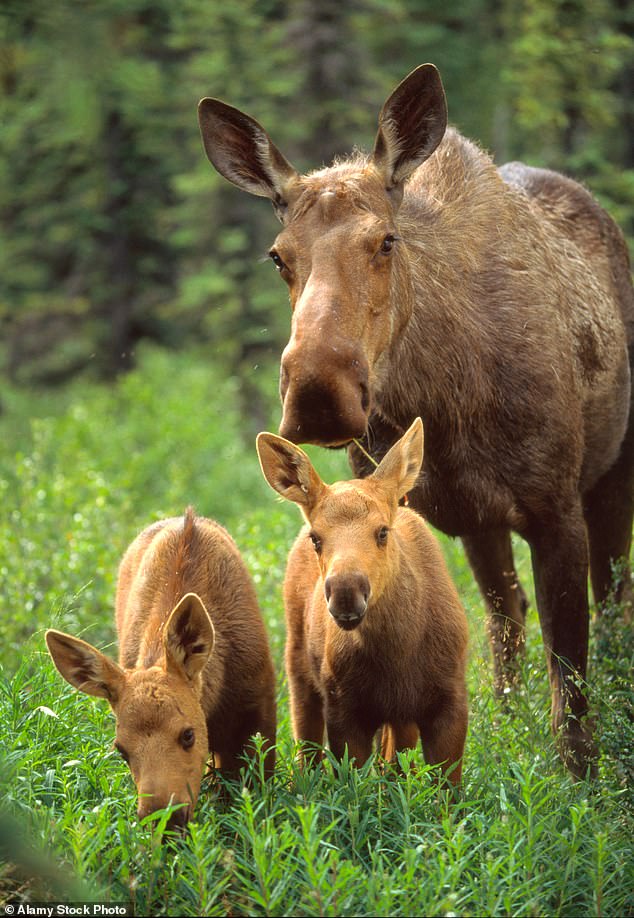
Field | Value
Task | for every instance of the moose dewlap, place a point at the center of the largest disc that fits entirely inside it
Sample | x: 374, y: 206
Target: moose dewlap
x: 195, y: 674
x: 376, y: 634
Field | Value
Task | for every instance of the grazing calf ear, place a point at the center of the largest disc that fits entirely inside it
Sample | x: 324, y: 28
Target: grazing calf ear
x: 400, y: 466
x: 189, y: 636
x: 85, y: 667
x: 242, y: 151
x: 288, y: 470
x: 411, y: 125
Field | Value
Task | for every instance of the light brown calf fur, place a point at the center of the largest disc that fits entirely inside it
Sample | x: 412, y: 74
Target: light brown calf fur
x: 497, y: 304
x: 195, y: 674
x: 376, y: 635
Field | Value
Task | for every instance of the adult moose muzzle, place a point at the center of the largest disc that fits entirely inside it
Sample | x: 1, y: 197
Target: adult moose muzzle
x: 497, y: 304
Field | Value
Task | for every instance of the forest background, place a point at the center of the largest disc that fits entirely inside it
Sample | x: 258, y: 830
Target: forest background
x: 140, y: 332
x: 115, y: 228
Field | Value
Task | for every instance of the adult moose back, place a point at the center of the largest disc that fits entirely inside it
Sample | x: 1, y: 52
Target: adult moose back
x: 498, y: 305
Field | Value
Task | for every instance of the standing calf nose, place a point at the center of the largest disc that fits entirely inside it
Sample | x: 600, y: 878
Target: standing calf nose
x: 347, y: 596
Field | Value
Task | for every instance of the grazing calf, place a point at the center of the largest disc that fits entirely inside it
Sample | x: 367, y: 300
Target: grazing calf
x: 376, y: 635
x: 195, y: 673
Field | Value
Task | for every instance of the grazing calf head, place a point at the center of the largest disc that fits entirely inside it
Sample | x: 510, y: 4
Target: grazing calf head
x: 349, y: 521
x: 161, y: 729
x: 340, y: 252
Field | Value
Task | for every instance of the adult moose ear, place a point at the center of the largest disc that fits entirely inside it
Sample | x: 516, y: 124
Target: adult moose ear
x: 399, y: 468
x: 85, y: 667
x: 242, y: 151
x: 288, y: 470
x: 189, y: 636
x: 411, y: 125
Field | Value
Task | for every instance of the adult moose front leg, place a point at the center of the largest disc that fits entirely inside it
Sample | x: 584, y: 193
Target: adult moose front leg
x: 560, y: 562
x: 490, y: 555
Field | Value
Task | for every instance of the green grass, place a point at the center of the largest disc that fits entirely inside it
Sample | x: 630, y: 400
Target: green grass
x: 79, y: 476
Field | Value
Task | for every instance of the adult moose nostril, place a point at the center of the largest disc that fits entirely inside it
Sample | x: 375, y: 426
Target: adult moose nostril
x: 284, y: 381
x: 365, y: 397
x: 328, y: 588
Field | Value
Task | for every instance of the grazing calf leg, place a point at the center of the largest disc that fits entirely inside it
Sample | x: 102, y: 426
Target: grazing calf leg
x: 560, y: 562
x: 234, y: 741
x: 608, y: 510
x: 396, y: 738
x: 490, y: 555
x: 444, y: 737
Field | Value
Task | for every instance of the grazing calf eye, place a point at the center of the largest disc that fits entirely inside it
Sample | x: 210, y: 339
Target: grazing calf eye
x: 381, y: 535
x: 124, y: 755
x: 187, y: 738
x: 277, y: 261
x: 316, y: 542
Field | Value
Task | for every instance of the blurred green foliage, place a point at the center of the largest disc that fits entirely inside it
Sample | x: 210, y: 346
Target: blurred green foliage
x: 114, y: 227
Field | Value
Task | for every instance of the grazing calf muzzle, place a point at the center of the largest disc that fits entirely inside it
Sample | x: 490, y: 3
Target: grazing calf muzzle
x: 347, y: 596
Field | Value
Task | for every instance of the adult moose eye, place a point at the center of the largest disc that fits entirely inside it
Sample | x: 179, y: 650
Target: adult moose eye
x: 277, y: 261
x: 316, y: 542
x: 381, y: 535
x: 388, y: 244
x: 187, y: 738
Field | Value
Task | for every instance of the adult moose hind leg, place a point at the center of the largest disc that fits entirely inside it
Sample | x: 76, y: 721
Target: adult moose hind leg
x: 609, y: 510
x: 490, y: 555
x: 560, y: 563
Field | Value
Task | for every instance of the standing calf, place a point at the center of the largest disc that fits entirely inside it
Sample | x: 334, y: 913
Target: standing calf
x: 376, y: 635
x: 195, y: 673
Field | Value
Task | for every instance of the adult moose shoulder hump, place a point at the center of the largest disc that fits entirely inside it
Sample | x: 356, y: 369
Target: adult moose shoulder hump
x: 497, y: 304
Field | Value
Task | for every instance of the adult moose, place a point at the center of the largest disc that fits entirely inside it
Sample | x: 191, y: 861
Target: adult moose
x: 498, y: 305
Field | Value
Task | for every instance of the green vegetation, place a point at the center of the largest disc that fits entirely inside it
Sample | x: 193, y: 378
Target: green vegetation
x: 77, y: 481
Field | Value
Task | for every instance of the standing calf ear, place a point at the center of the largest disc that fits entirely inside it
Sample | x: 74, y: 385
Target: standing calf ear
x: 288, y: 470
x: 189, y: 636
x: 411, y: 125
x: 85, y: 667
x: 242, y: 151
x: 400, y: 466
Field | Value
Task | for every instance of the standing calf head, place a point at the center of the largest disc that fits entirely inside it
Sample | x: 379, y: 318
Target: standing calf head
x: 161, y: 729
x: 349, y: 521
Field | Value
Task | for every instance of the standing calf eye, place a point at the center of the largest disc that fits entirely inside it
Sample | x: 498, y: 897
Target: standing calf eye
x: 187, y: 738
x: 381, y: 535
x: 277, y: 261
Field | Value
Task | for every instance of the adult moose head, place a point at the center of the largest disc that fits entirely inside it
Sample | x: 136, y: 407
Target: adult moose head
x: 498, y: 305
